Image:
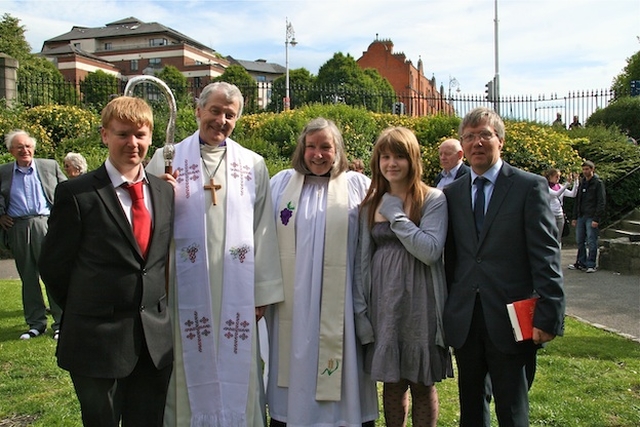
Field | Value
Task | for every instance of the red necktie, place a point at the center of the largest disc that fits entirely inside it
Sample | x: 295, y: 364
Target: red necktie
x: 140, y: 217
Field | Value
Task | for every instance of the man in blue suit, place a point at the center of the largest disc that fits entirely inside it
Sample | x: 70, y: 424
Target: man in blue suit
x: 502, y: 247
x: 104, y: 259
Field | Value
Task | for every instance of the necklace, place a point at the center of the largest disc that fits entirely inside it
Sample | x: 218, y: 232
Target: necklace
x: 212, y: 186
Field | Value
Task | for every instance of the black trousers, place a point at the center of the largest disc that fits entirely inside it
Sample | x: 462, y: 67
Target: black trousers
x: 137, y: 399
x: 511, y: 376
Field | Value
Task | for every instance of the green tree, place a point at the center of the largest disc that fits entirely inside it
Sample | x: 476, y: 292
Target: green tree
x: 622, y: 113
x: 237, y: 75
x: 346, y: 83
x: 300, y: 81
x: 12, y: 40
x: 382, y: 95
x: 98, y: 88
x: 177, y: 82
x: 40, y: 83
x: 622, y: 82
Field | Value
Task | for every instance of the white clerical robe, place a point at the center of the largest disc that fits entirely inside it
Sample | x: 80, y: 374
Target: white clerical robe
x: 297, y: 405
x: 268, y: 280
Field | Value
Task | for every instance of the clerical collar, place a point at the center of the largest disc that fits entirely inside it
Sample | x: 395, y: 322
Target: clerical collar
x: 222, y: 144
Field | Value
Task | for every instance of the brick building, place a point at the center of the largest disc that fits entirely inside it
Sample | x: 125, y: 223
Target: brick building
x: 130, y: 47
x: 417, y: 93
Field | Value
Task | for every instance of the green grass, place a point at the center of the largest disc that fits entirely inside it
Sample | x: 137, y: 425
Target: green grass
x: 588, y: 378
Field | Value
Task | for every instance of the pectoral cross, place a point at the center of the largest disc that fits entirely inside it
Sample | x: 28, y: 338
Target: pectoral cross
x: 213, y: 187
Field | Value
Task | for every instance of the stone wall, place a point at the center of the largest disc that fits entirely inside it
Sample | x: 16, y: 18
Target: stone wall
x: 620, y: 255
x: 8, y: 78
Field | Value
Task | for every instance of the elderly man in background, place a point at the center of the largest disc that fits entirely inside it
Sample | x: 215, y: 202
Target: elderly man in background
x: 450, y: 155
x: 26, y: 195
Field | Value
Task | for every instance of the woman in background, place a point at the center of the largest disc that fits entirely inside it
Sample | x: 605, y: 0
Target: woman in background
x: 74, y: 165
x: 558, y: 192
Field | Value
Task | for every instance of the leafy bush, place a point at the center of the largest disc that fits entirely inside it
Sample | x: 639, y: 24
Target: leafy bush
x: 617, y: 163
x: 13, y: 118
x: 61, y: 122
x: 624, y: 113
x: 90, y: 146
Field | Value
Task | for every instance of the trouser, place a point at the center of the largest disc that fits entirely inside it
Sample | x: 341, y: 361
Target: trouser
x: 137, y: 400
x: 25, y: 240
x: 587, y: 241
x: 511, y: 376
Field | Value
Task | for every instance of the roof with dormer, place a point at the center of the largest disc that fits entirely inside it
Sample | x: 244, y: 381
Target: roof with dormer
x: 123, y: 28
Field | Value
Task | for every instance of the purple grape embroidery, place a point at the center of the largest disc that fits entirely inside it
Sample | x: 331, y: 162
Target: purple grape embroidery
x: 239, y: 253
x: 286, y: 213
x: 190, y: 252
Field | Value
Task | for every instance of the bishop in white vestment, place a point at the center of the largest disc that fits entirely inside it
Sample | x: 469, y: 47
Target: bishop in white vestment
x: 225, y: 270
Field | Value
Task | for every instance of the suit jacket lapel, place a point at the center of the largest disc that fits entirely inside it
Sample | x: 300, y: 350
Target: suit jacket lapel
x: 107, y: 194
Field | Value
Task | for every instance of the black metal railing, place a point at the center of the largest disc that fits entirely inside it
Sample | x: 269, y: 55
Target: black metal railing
x: 267, y: 96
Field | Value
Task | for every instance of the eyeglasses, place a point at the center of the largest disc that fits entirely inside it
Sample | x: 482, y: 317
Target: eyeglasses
x: 484, y: 136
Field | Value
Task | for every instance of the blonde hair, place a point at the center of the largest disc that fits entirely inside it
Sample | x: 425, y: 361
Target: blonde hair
x: 399, y: 141
x: 128, y: 109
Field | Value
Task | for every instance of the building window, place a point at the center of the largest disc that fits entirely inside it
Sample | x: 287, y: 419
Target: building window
x: 158, y: 42
x: 108, y: 46
x: 134, y: 65
x: 153, y: 62
x: 196, y: 81
x: 77, y: 45
x: 261, y: 78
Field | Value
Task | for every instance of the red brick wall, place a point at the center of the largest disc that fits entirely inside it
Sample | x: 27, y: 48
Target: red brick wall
x: 410, y: 84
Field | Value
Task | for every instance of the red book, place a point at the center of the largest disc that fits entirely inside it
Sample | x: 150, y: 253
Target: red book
x: 521, y: 317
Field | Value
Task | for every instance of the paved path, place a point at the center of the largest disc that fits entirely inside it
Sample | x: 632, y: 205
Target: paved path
x: 606, y: 299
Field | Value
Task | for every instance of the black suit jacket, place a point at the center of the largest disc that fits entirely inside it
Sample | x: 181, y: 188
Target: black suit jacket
x: 462, y: 171
x: 516, y: 255
x: 113, y: 299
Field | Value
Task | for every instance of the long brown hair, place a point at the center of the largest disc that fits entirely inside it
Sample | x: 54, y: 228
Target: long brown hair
x: 399, y: 141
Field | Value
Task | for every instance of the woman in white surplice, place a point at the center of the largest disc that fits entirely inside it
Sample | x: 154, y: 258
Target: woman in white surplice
x: 316, y: 375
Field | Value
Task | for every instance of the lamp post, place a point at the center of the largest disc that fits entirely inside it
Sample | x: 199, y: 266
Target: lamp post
x: 290, y: 39
x: 453, y: 82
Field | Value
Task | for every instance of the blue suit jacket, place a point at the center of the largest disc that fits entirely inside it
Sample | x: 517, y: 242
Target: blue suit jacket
x: 516, y: 255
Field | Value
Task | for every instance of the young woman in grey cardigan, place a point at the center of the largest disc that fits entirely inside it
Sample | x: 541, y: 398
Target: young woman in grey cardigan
x: 400, y: 286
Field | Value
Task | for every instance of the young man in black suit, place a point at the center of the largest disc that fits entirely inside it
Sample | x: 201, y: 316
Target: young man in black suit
x: 501, y: 247
x: 104, y: 260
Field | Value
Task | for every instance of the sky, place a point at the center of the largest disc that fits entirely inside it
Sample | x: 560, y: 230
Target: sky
x: 545, y: 47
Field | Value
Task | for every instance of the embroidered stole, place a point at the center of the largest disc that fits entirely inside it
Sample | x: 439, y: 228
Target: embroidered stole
x: 217, y: 374
x: 334, y: 279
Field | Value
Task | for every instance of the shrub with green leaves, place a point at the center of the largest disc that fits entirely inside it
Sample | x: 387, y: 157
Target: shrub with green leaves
x: 61, y: 122
x: 624, y: 113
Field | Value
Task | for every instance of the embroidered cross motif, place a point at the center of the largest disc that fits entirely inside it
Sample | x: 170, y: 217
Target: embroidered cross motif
x: 236, y: 329
x: 238, y: 170
x: 213, y: 187
x: 239, y: 252
x: 330, y: 369
x: 186, y: 174
x: 190, y: 252
x: 196, y: 328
